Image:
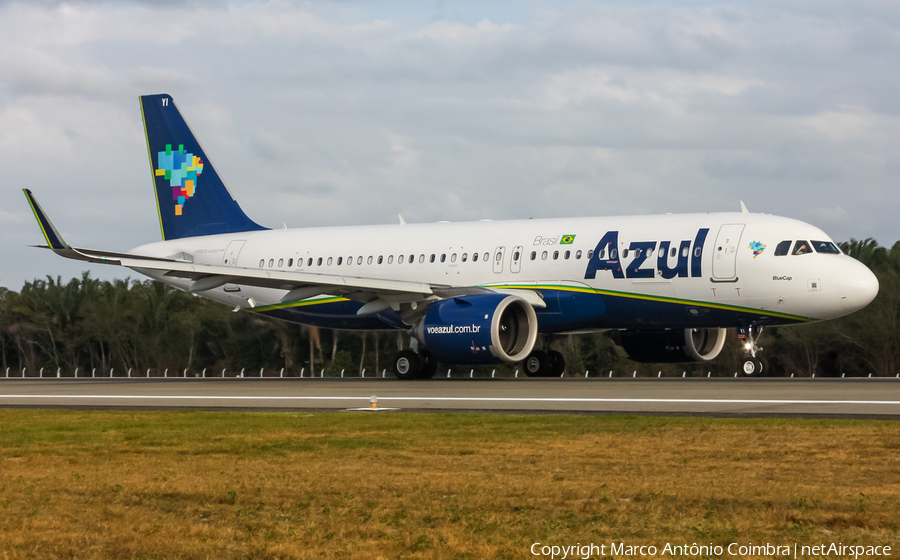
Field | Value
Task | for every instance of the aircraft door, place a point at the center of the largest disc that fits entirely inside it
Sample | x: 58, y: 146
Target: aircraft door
x: 231, y: 253
x: 498, y: 259
x: 515, y: 260
x: 725, y: 252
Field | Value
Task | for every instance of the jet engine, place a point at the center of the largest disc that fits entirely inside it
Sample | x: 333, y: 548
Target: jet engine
x: 478, y: 329
x: 671, y: 346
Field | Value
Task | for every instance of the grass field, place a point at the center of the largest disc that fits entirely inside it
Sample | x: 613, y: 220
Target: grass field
x: 108, y: 484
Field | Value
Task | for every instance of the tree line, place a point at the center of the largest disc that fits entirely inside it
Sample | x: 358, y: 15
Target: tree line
x: 136, y: 325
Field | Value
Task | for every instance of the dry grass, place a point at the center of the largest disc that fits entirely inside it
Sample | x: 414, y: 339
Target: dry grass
x: 341, y: 485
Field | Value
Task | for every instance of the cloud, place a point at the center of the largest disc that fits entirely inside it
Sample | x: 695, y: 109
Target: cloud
x: 322, y: 113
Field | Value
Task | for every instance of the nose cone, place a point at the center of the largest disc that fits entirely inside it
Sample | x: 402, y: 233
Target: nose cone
x: 858, y: 285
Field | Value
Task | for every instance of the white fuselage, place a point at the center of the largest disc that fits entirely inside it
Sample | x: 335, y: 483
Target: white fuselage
x: 731, y: 269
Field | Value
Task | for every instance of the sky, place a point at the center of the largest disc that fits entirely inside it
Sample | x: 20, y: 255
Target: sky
x: 351, y: 112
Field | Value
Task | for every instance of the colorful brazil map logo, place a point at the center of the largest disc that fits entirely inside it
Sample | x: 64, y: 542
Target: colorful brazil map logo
x: 757, y: 248
x: 181, y: 169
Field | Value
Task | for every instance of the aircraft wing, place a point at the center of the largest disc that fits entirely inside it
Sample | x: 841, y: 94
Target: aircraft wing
x: 376, y: 294
x: 380, y: 292
x: 206, y: 277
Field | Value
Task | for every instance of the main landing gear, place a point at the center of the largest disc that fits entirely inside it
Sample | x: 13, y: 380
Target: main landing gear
x: 410, y: 364
x: 753, y: 365
x: 544, y: 364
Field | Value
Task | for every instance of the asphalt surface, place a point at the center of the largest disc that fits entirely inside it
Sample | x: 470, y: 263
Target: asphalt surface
x: 856, y: 398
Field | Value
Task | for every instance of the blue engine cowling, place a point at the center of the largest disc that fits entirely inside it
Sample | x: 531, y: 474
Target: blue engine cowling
x: 479, y: 329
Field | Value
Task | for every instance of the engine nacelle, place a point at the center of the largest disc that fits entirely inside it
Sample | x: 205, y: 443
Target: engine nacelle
x: 688, y: 345
x: 479, y: 329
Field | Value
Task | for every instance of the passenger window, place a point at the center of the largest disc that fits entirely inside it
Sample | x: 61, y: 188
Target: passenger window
x: 801, y: 248
x: 443, y: 257
x: 400, y: 259
x: 555, y: 255
x: 673, y: 251
x: 453, y: 257
x: 431, y: 258
x: 412, y: 258
x: 499, y: 256
x: 567, y: 254
x: 390, y: 259
x: 826, y: 247
x: 601, y: 255
x: 624, y: 253
x: 290, y: 263
x: 280, y: 263
x: 544, y: 256
x: 380, y: 259
x: 309, y: 262
x: 578, y: 254
x: 474, y: 257
x: 369, y: 260
x: 330, y: 260
x: 319, y: 261
x: 421, y: 258
x: 516, y: 256
x: 697, y: 251
x: 262, y: 263
x: 782, y: 248
x: 359, y: 259
x: 649, y: 253
x: 684, y: 251
x: 464, y: 257
x: 485, y: 257
x: 340, y: 260
x: 590, y: 254
x: 533, y: 255
x: 271, y: 263
x: 613, y: 253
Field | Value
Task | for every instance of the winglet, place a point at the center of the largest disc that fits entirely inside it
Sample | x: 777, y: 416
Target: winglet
x: 54, y: 240
x: 744, y: 208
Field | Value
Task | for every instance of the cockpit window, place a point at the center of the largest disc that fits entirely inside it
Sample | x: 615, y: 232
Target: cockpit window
x: 825, y: 247
x: 783, y: 248
x: 801, y: 248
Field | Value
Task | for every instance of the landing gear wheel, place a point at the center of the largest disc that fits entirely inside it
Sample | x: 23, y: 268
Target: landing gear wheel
x: 537, y: 364
x: 429, y: 365
x: 557, y: 363
x: 407, y: 365
x: 752, y: 367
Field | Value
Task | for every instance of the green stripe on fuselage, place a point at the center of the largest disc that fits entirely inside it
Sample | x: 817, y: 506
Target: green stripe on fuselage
x: 302, y: 303
x: 645, y: 297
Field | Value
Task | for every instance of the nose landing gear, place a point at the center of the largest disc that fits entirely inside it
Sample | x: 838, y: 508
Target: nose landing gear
x: 753, y: 365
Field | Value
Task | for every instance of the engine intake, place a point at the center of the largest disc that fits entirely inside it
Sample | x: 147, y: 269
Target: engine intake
x: 689, y: 345
x: 478, y: 329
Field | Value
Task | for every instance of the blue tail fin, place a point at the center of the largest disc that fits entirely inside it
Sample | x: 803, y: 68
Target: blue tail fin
x: 191, y: 198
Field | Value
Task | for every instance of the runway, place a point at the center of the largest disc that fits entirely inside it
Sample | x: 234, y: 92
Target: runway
x: 858, y: 398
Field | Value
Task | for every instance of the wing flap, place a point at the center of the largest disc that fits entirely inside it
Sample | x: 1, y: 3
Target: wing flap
x: 280, y: 279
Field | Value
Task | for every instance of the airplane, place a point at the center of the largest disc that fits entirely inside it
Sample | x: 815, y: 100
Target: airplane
x: 666, y: 287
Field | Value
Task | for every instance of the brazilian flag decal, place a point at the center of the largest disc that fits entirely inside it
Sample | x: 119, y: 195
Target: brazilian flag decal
x: 567, y: 240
